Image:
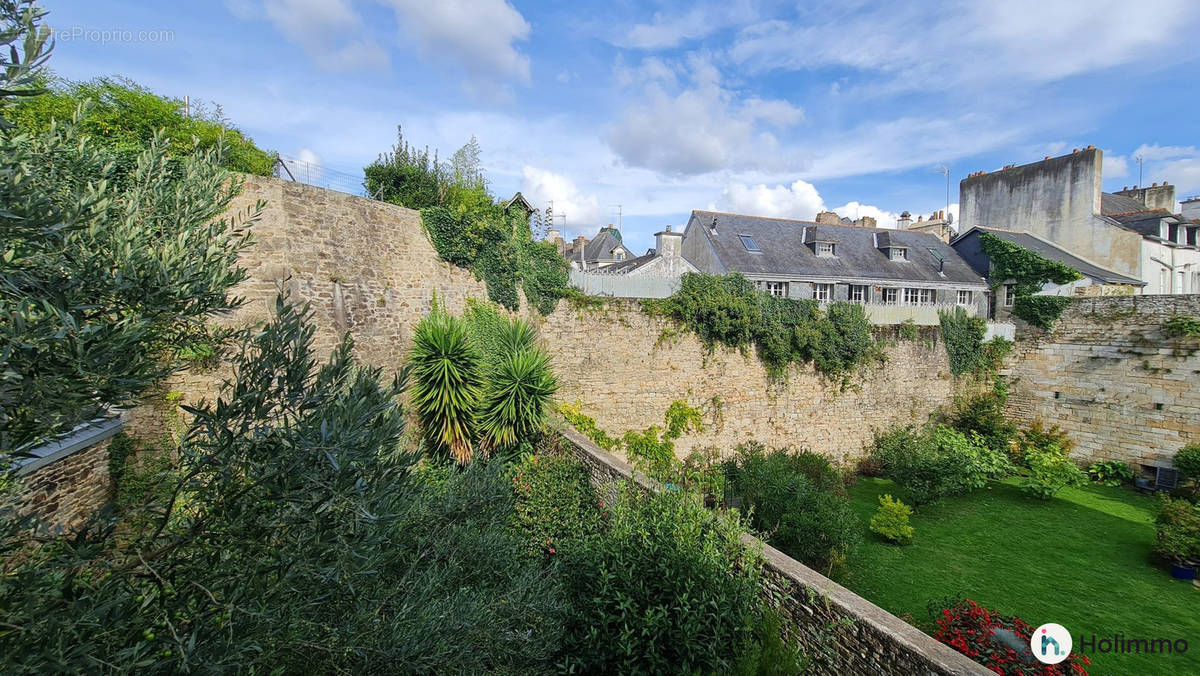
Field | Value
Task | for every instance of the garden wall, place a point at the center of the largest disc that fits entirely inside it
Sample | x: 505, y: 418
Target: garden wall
x: 1112, y: 379
x: 847, y: 633
x: 626, y: 367
x: 65, y: 481
x: 368, y: 268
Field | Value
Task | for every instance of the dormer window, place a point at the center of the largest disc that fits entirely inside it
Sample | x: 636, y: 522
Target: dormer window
x: 898, y: 253
x: 826, y: 249
x: 749, y: 243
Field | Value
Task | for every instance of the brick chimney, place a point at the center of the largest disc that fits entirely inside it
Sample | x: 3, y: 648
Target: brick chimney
x: 905, y: 221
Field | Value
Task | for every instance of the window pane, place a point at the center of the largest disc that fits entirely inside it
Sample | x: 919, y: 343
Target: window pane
x: 748, y: 242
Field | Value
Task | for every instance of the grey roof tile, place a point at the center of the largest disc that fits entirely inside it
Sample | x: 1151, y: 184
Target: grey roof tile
x: 1054, y: 252
x: 786, y: 251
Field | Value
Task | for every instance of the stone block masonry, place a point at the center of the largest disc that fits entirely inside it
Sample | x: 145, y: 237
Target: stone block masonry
x: 626, y: 367
x: 1109, y: 376
x: 368, y: 268
x: 843, y: 632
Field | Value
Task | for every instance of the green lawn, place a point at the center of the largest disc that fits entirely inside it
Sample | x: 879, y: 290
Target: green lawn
x: 1081, y: 560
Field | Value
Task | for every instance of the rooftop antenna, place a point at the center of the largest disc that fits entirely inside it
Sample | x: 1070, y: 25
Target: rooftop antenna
x: 620, y: 216
x: 1138, y: 159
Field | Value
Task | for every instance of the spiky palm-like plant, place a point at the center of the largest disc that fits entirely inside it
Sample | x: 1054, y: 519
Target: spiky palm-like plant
x: 514, y: 406
x: 518, y: 335
x: 446, y: 377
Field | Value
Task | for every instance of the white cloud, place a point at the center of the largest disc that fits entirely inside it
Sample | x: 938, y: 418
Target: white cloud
x: 698, y: 128
x: 952, y: 45
x: 1115, y: 166
x: 1151, y: 153
x: 329, y: 31
x: 478, y: 35
x: 305, y: 166
x: 855, y: 210
x: 800, y: 200
x: 670, y: 30
x: 540, y: 186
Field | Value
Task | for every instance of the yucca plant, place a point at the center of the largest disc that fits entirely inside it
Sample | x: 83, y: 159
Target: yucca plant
x: 447, y: 380
x: 517, y: 335
x: 514, y: 406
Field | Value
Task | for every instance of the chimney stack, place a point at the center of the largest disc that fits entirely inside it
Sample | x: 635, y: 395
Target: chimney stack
x: 905, y: 221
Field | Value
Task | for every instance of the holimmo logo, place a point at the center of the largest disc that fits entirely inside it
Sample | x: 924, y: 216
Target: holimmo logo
x: 1051, y: 643
x: 1119, y: 643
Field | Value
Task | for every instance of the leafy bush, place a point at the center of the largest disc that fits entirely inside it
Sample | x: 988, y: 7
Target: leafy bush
x: 513, y: 406
x: 292, y: 538
x: 98, y: 278
x: 1187, y: 461
x: 796, y: 501
x: 769, y: 653
x: 937, y: 461
x: 586, y: 425
x: 555, y: 501
x: 729, y: 310
x: 1050, y: 470
x: 983, y: 415
x: 1178, y: 530
x: 467, y: 227
x: 652, y: 453
x: 998, y: 642
x: 125, y: 117
x: 1110, y: 473
x: 667, y: 587
x: 870, y: 466
x: 447, y: 383
x: 891, y: 520
x: 1182, y: 326
x: 1037, y: 437
x: 682, y: 418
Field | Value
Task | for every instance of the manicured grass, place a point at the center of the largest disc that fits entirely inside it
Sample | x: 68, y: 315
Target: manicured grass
x: 1082, y: 559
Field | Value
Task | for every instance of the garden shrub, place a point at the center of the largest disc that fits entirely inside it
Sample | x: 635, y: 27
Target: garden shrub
x: 467, y: 227
x: 891, y: 521
x: 797, y: 502
x: 983, y: 414
x: 729, y: 310
x: 518, y: 391
x: 1187, y: 461
x: 1178, y: 530
x: 937, y: 461
x: 1050, y: 470
x: 447, y: 378
x: 1110, y: 473
x: 586, y: 425
x: 125, y: 117
x: 870, y: 467
x: 667, y: 587
x: 652, y: 453
x: 769, y: 652
x: 555, y: 501
x: 998, y: 642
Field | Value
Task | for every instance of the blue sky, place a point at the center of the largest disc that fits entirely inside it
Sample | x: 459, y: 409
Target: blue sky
x: 779, y: 109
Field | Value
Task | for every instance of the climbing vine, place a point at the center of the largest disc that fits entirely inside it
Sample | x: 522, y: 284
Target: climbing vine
x: 1028, y: 272
x: 729, y: 310
x: 962, y: 334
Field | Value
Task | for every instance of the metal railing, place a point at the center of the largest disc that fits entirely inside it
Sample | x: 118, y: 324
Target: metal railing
x: 321, y: 176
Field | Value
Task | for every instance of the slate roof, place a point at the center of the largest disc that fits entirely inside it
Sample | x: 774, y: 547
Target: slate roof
x: 1119, y: 204
x: 1054, y: 252
x: 784, y: 250
x: 601, y: 246
x: 630, y: 263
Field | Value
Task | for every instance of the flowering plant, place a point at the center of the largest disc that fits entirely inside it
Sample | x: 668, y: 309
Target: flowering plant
x: 998, y: 642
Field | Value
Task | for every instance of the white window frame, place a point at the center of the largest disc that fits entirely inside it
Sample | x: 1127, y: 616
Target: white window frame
x: 891, y: 295
x: 858, y: 293
x: 777, y: 289
x: 965, y: 299
x: 898, y: 253
x: 1010, y: 294
x: 827, y: 249
x: 822, y: 291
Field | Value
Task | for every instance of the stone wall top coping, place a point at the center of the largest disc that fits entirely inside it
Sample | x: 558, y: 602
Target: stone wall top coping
x: 84, y: 436
x: 902, y: 633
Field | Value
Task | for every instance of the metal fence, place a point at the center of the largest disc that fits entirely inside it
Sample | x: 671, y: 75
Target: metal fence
x: 311, y: 173
x: 623, y: 286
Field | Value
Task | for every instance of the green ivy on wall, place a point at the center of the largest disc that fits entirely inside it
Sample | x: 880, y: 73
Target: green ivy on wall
x: 1028, y: 272
x: 962, y: 334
